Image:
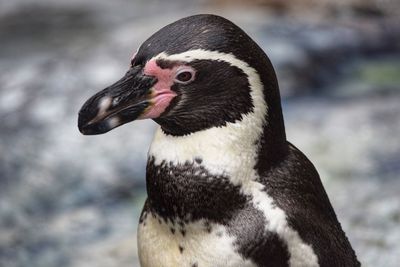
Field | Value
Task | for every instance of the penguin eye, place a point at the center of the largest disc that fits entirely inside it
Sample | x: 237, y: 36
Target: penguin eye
x: 184, y: 76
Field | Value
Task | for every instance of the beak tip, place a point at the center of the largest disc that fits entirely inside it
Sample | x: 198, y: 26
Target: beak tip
x: 82, y: 123
x: 84, y: 126
x: 93, y: 129
x: 87, y: 127
x: 83, y: 130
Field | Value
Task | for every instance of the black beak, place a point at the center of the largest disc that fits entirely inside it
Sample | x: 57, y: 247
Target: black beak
x: 122, y: 102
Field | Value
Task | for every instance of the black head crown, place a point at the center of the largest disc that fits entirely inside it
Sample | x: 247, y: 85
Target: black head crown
x: 184, y: 78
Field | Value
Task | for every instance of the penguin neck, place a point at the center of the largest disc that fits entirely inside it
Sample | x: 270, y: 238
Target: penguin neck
x: 232, y: 150
x: 207, y: 174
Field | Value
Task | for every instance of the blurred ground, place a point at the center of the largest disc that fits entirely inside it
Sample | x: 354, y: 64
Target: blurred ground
x: 70, y: 200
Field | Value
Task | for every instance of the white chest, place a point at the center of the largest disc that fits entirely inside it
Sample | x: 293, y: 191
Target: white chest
x: 199, y: 244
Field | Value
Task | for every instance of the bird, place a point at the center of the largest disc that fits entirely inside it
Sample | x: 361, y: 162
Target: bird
x: 224, y: 186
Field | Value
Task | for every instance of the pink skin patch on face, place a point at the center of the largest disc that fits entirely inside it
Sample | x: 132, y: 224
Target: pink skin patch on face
x: 162, y: 93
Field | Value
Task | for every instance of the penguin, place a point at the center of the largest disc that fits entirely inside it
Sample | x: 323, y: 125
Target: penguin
x: 225, y: 188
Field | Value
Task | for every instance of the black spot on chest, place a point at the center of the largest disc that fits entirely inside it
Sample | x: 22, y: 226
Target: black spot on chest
x: 188, y: 191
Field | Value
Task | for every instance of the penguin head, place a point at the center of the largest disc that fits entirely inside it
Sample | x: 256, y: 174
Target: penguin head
x: 196, y: 73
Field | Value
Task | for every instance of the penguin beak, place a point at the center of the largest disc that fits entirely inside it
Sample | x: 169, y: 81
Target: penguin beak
x: 120, y: 103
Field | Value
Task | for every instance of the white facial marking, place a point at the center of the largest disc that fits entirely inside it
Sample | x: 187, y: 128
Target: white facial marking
x: 232, y: 150
x: 104, y: 104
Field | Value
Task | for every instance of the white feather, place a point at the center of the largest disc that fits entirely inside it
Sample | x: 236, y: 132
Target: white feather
x: 158, y: 247
x: 232, y: 150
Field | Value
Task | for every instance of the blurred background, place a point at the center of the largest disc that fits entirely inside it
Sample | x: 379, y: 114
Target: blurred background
x: 73, y: 200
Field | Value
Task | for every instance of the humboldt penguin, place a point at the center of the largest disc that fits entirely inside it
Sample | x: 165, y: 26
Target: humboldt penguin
x: 225, y: 188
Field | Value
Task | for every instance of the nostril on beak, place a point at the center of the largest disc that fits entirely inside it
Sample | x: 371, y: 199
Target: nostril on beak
x: 116, y: 101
